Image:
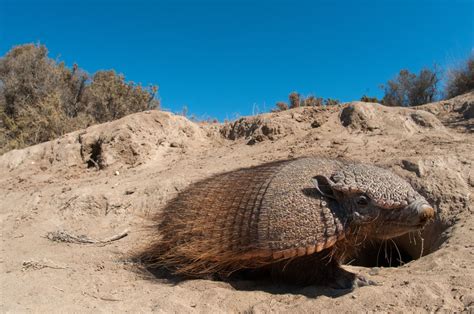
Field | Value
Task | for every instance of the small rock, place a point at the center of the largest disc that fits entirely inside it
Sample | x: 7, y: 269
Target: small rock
x: 315, y: 124
x: 252, y: 142
x: 117, y: 173
x: 470, y: 180
x: 413, y: 167
x: 468, y: 300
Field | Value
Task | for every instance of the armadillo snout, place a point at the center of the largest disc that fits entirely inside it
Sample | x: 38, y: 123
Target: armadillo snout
x: 426, y: 213
x: 420, y: 212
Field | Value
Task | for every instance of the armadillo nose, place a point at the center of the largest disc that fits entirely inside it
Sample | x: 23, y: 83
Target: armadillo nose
x: 426, y: 213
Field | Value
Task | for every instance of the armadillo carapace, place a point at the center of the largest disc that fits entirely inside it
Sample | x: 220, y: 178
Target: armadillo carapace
x: 297, y: 218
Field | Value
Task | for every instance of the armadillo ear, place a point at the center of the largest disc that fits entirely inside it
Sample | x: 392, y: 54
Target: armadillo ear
x: 324, y: 185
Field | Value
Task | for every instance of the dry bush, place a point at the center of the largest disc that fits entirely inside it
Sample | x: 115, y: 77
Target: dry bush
x: 110, y: 97
x: 296, y: 100
x: 27, y: 76
x: 41, y: 99
x: 461, y: 80
x: 366, y: 98
x: 280, y: 106
x: 312, y: 101
x: 331, y: 102
x: 409, y: 89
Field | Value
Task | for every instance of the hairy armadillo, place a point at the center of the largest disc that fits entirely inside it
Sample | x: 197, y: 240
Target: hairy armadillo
x: 297, y: 218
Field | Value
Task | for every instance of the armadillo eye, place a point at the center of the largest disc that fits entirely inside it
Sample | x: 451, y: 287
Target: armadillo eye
x: 363, y: 200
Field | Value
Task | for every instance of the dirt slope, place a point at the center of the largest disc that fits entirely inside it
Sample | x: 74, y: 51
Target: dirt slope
x: 109, y: 178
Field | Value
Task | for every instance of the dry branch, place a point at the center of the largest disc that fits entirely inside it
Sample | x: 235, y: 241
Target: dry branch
x: 66, y: 237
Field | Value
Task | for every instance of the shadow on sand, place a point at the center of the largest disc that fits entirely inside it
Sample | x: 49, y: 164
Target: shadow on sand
x: 249, y: 281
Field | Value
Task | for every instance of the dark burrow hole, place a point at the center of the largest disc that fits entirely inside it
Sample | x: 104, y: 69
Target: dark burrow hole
x: 95, y: 159
x: 401, y: 250
x: 382, y: 254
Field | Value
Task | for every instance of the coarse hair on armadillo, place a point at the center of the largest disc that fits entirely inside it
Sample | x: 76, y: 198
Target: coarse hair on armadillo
x: 230, y: 221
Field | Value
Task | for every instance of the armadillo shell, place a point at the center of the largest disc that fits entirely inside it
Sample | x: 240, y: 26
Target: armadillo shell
x: 248, y: 218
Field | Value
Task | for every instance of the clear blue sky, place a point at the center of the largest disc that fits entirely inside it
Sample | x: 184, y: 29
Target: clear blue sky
x: 225, y: 57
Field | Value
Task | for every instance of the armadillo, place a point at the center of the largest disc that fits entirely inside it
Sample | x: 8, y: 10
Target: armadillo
x: 298, y: 219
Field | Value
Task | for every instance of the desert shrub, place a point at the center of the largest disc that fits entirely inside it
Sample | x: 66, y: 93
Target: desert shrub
x: 409, y: 89
x: 331, y: 102
x: 41, y: 99
x: 294, y: 99
x: 311, y: 101
x: 281, y: 106
x: 366, y: 98
x: 110, y: 97
x: 43, y: 121
x: 73, y: 85
x: 27, y: 76
x: 461, y: 80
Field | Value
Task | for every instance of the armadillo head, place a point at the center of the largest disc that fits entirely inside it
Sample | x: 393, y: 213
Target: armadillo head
x: 376, y: 201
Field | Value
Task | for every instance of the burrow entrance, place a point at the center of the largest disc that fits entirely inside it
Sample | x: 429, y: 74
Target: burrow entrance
x: 95, y: 159
x: 401, y: 250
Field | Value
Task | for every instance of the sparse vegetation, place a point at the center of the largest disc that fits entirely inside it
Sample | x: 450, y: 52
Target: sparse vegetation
x: 331, y: 102
x: 41, y: 99
x: 461, y: 80
x: 409, y: 89
x: 312, y: 101
x: 110, y: 97
x: 281, y: 106
x: 296, y: 100
x: 366, y: 98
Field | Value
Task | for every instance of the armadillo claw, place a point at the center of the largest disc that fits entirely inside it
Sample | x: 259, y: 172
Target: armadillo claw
x: 361, y: 281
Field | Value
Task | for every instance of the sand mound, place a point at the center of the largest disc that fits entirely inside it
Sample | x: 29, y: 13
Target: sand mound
x: 96, y: 183
x: 370, y: 117
x: 129, y: 142
x: 457, y: 112
x: 273, y: 126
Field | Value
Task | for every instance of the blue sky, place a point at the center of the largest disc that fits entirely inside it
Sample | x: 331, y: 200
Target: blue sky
x: 228, y: 58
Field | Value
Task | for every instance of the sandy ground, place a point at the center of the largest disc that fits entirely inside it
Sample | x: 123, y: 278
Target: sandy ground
x: 110, y: 178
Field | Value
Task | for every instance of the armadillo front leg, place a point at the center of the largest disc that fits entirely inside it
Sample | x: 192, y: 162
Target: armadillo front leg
x: 317, y: 269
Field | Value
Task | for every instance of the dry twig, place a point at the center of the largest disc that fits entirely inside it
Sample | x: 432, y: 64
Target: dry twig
x: 64, y: 236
